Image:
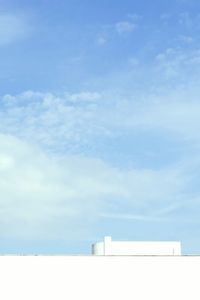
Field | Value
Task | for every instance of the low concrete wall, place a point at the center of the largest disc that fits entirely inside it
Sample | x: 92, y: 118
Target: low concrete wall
x: 99, y: 277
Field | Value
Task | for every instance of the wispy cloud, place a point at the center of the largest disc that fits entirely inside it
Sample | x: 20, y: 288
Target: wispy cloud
x: 44, y: 194
x: 13, y: 27
x: 51, y: 178
x: 186, y: 39
x: 101, y: 41
x: 142, y: 218
x: 49, y: 183
x: 125, y: 27
x: 54, y: 121
x: 110, y: 32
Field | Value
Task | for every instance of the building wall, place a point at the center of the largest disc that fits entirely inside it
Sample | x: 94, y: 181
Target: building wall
x: 109, y: 247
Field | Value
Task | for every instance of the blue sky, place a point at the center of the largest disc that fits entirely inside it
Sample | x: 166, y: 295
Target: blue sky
x: 99, y: 131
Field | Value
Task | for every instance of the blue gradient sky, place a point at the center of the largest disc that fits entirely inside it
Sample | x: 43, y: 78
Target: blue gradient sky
x: 100, y: 122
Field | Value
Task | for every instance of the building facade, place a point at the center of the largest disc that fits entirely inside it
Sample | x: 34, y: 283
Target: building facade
x: 110, y: 247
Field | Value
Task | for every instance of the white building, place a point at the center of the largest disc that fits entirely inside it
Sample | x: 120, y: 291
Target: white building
x: 109, y: 247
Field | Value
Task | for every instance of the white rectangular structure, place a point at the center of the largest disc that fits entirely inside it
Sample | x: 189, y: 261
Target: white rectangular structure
x: 109, y: 247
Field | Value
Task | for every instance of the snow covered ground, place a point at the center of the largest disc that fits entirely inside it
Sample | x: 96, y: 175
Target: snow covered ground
x: 92, y: 277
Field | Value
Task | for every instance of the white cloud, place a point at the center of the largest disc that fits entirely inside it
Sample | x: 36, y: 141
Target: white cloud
x: 186, y: 39
x: 125, y: 27
x: 12, y: 28
x: 43, y: 195
x: 135, y: 217
x: 165, y: 16
x: 38, y: 190
x: 70, y: 122
x: 101, y: 41
x: 45, y: 188
x: 134, y: 61
x: 186, y: 20
x: 51, y: 120
x: 84, y: 97
x: 135, y: 17
x: 175, y: 114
